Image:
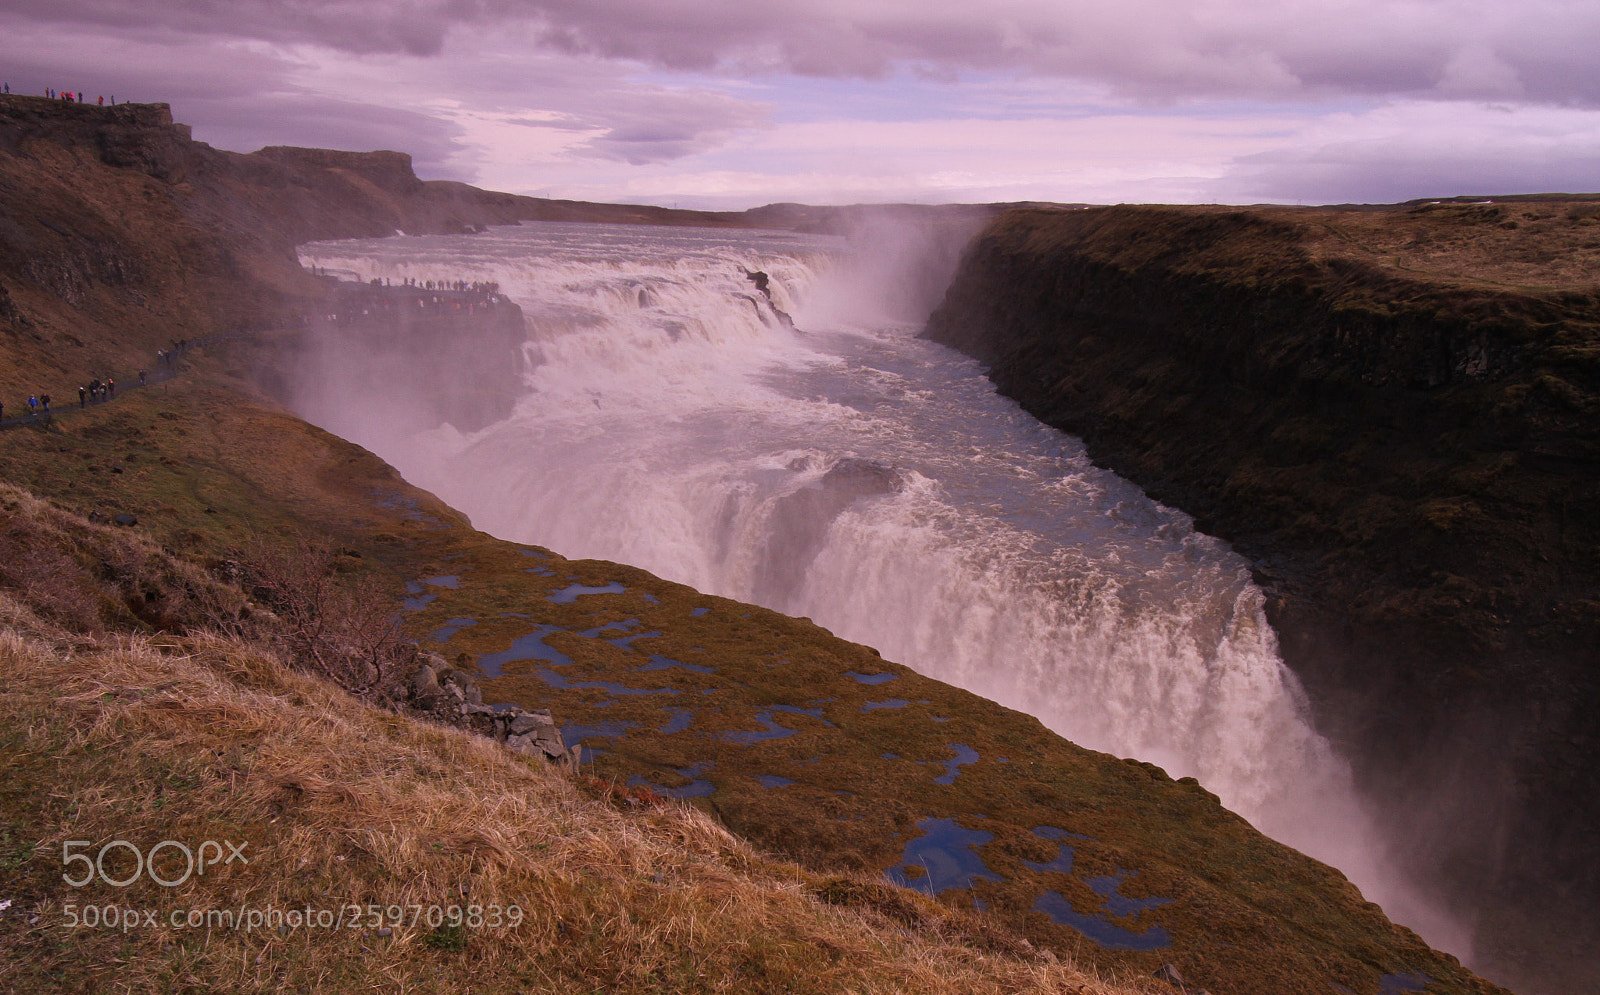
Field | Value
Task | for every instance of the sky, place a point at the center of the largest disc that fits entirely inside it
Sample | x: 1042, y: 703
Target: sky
x: 731, y: 104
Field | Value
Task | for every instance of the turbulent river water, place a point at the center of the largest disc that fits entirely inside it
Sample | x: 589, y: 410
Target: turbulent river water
x: 843, y: 469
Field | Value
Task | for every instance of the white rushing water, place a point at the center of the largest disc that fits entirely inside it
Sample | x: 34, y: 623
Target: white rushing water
x: 845, y: 470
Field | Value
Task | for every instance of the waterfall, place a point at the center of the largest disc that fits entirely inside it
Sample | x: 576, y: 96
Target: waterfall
x: 839, y: 467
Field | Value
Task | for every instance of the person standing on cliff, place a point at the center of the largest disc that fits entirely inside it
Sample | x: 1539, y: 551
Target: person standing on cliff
x: 45, y: 400
x: 83, y: 398
x: 33, y: 405
x: 111, y: 387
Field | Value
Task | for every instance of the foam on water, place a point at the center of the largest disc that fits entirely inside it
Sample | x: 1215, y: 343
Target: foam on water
x: 674, y: 420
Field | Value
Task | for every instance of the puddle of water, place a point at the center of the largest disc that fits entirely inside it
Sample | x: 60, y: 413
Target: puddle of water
x: 448, y: 580
x: 773, y: 781
x: 815, y: 713
x: 1062, y: 861
x: 626, y: 642
x: 443, y: 633
x: 651, y: 598
x: 948, y: 856
x: 565, y: 683
x: 418, y: 603
x: 609, y: 730
x: 529, y: 647
x: 889, y: 756
x: 664, y: 663
x: 540, y: 571
x: 567, y: 595
x: 952, y: 768
x: 872, y: 678
x: 696, y: 788
x: 1110, y: 936
x: 1052, y: 833
x: 772, y: 730
x: 681, y: 719
x: 699, y: 611
x: 1118, y: 904
x: 891, y: 703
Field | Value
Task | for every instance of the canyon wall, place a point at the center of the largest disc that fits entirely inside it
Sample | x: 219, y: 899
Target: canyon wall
x: 1393, y: 414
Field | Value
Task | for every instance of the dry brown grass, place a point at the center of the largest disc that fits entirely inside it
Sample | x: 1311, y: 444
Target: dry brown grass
x: 148, y: 739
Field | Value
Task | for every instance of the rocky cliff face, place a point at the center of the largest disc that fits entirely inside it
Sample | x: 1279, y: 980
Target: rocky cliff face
x: 1394, y: 414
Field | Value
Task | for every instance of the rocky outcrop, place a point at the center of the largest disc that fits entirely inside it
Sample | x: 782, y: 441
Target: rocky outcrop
x: 1412, y: 462
x: 444, y: 694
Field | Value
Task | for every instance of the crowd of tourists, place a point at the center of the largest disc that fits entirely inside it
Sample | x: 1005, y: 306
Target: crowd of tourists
x: 99, y: 390
x: 70, y: 96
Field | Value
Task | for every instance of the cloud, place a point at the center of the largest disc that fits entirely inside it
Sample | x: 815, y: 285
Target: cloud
x: 1407, y: 150
x: 1147, y: 49
x: 739, y: 102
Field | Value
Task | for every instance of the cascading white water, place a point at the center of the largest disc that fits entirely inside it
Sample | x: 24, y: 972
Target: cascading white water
x: 846, y: 470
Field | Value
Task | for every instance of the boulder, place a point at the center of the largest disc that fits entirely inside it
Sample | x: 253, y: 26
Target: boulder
x: 525, y: 722
x: 424, y: 682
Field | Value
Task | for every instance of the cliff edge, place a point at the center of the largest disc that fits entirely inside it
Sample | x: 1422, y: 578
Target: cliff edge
x: 1393, y: 413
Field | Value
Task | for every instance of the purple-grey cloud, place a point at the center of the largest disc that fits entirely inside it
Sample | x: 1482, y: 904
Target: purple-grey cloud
x: 1539, y: 50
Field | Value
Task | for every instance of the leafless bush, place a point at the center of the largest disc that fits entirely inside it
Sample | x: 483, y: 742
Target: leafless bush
x: 344, y: 629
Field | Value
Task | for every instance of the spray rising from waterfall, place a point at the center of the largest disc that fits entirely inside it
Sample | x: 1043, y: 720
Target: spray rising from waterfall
x: 840, y: 468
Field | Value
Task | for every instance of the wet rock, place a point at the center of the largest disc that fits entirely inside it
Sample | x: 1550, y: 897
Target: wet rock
x: 860, y: 478
x: 125, y: 520
x: 1169, y: 974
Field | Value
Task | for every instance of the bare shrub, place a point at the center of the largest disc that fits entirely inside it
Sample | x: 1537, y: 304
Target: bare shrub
x: 344, y: 629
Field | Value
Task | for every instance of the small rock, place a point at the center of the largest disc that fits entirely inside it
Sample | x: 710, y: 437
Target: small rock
x: 125, y: 519
x: 525, y: 722
x: 386, y: 931
x: 1169, y: 974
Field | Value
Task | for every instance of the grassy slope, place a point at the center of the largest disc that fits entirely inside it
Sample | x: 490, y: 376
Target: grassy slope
x: 209, y: 466
x: 202, y: 738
